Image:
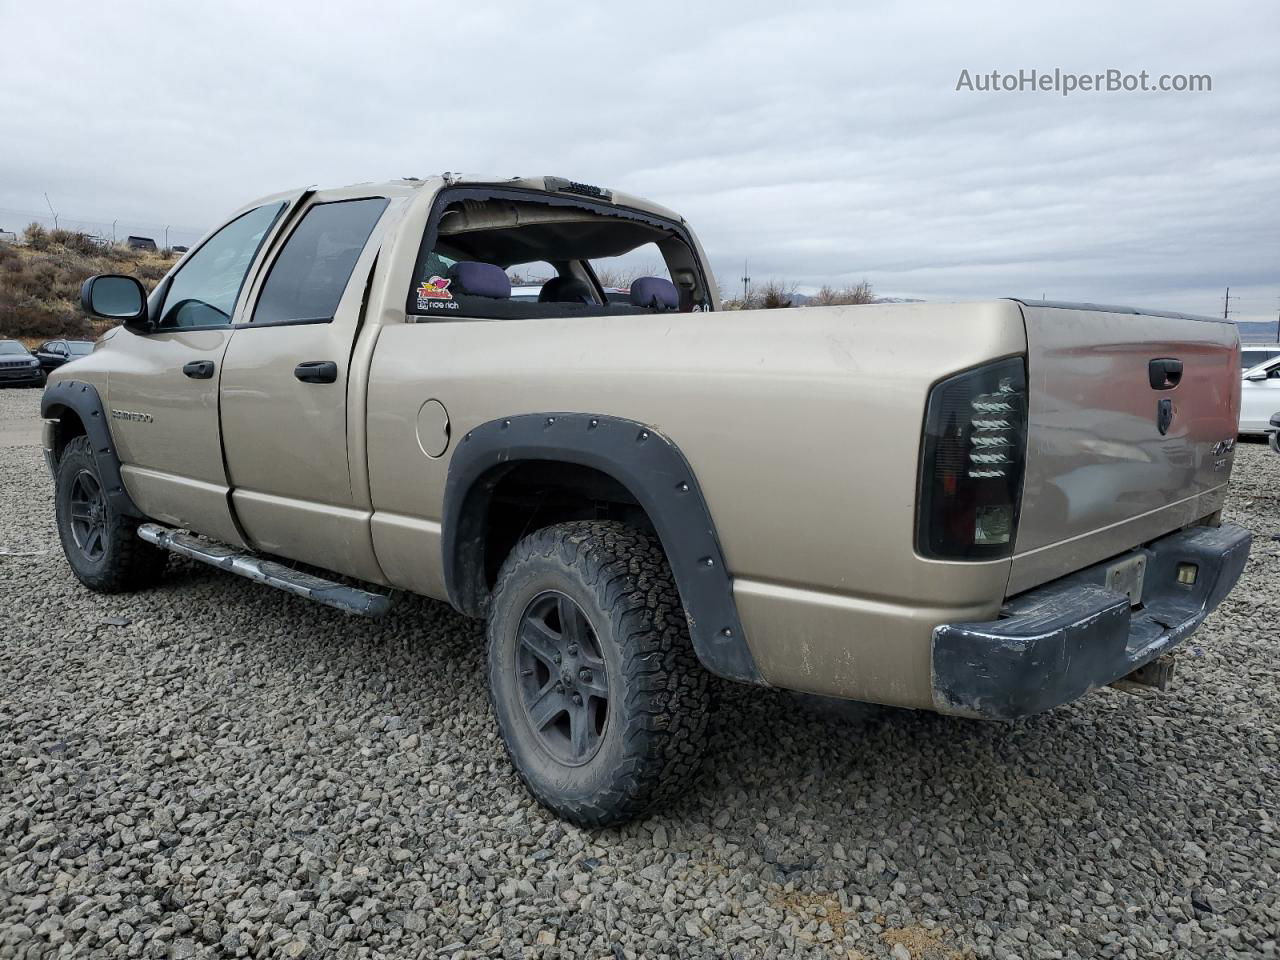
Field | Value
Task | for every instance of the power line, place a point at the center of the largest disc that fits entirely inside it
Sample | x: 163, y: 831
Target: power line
x: 104, y: 226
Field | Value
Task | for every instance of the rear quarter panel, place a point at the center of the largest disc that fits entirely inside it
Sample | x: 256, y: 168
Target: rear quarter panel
x: 802, y: 427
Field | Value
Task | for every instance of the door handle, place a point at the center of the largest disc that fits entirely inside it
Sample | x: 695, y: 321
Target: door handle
x: 1164, y: 373
x: 198, y: 369
x: 316, y: 371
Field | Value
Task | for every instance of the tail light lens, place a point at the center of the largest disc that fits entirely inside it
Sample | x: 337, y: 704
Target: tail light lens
x: 975, y: 442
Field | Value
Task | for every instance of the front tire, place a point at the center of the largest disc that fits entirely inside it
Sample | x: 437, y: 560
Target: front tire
x: 100, y: 544
x: 598, y: 695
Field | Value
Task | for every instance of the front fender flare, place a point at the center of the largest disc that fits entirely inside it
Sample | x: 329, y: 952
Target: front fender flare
x: 82, y: 399
x: 655, y: 472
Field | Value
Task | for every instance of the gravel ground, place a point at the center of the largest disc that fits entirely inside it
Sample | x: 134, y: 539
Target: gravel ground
x: 213, y: 768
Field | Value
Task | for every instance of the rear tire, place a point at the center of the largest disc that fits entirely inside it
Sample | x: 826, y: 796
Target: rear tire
x: 100, y: 544
x: 598, y: 695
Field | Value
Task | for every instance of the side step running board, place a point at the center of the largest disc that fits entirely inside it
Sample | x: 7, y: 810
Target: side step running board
x: 348, y: 599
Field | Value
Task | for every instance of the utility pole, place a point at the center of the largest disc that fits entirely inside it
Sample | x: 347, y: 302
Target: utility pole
x: 1226, y: 304
x: 51, y: 210
x: 746, y: 285
x: 166, y: 236
x: 113, y: 232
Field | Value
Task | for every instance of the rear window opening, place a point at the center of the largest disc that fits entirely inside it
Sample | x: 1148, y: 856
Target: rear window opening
x: 521, y: 256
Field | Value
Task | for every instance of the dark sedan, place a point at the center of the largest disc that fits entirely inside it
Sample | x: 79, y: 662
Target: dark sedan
x: 54, y: 353
x: 17, y: 365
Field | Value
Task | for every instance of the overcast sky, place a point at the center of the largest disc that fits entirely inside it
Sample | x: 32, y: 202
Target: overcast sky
x: 821, y: 142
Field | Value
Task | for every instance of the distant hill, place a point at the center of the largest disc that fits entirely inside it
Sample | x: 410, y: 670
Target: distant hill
x: 40, y: 281
x: 1257, y: 331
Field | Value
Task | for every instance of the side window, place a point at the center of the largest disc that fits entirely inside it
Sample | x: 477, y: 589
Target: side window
x: 616, y: 274
x: 309, y: 276
x: 203, y: 293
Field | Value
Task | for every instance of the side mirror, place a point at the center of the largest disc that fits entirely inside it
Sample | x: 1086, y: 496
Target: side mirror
x: 1256, y: 377
x: 115, y: 297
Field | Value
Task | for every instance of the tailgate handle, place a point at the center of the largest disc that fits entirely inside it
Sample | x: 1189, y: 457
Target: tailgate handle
x: 1164, y: 373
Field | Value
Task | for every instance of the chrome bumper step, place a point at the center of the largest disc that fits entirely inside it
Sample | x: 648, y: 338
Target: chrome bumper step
x: 273, y: 574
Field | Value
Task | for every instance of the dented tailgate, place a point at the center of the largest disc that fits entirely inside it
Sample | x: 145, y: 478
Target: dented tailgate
x: 1113, y: 460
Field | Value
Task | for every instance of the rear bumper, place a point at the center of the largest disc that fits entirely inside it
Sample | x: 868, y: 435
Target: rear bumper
x: 1057, y: 642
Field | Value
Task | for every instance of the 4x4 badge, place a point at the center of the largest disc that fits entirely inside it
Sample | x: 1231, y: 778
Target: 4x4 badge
x: 1164, y: 415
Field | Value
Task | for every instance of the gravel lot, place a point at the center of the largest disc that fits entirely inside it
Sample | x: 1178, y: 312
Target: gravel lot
x: 213, y: 768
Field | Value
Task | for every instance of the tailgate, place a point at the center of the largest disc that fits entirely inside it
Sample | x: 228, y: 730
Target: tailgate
x: 1101, y: 476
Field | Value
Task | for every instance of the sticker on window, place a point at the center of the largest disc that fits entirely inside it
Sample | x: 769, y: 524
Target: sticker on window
x: 433, y: 291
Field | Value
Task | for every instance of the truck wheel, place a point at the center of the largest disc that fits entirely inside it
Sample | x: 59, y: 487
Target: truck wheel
x: 101, y: 545
x: 598, y: 695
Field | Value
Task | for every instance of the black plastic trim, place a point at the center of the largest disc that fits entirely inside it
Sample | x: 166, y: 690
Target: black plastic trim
x: 266, y: 325
x: 83, y: 400
x: 655, y: 472
x: 1057, y: 642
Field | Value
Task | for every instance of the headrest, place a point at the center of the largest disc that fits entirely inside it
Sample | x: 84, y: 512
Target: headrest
x: 654, y: 292
x: 480, y: 280
x: 565, y: 290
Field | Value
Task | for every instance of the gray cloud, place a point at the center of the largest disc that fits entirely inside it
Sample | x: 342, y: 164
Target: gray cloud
x: 821, y: 142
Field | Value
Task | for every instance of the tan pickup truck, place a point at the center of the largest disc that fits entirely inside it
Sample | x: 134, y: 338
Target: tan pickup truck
x: 985, y: 509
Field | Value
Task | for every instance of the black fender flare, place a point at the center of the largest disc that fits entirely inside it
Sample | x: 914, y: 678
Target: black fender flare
x: 82, y: 399
x: 655, y: 472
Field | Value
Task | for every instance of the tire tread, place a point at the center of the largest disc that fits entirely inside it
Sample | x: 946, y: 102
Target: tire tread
x: 666, y: 700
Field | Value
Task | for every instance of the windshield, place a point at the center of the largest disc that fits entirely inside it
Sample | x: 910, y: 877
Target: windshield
x: 11, y: 346
x: 80, y: 348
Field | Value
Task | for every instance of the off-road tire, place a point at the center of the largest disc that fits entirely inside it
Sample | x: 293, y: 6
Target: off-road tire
x: 125, y: 562
x: 655, y: 727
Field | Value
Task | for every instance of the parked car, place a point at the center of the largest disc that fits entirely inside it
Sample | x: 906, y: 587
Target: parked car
x: 1259, y: 397
x: 1252, y: 354
x: 17, y: 366
x: 54, y: 353
x: 526, y: 292
x: 637, y: 495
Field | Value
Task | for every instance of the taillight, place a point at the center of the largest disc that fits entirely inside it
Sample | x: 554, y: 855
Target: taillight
x: 975, y: 442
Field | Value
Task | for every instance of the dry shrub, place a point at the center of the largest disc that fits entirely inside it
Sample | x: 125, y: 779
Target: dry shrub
x: 36, y: 237
x: 40, y: 281
x: 772, y: 295
x: 853, y: 294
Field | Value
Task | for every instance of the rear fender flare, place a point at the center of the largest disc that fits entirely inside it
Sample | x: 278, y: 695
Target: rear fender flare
x: 83, y: 400
x: 652, y: 469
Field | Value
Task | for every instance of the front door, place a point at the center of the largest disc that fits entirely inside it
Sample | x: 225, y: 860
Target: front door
x: 285, y: 390
x: 163, y: 394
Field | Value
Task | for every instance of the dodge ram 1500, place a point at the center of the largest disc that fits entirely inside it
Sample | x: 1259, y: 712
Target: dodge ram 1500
x: 985, y: 509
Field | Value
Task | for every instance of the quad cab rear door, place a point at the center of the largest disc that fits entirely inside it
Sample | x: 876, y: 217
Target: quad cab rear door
x: 292, y: 414
x: 163, y: 388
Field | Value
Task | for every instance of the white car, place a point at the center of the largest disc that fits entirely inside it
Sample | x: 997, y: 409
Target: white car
x: 1260, y: 397
x: 526, y: 293
x: 1252, y: 354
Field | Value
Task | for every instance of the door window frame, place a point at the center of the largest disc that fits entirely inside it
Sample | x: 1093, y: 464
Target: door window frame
x: 270, y: 259
x: 155, y: 303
